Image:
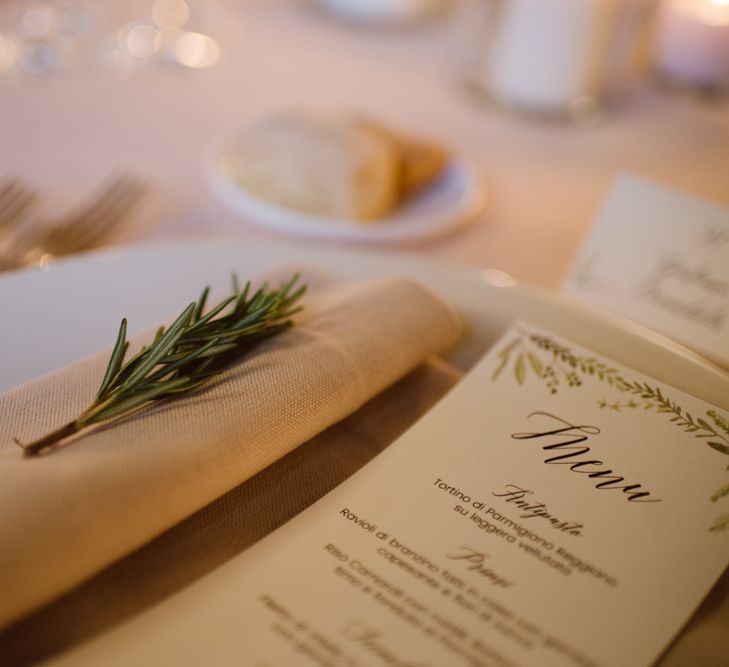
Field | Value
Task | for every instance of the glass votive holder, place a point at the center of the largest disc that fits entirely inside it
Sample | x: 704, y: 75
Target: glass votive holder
x: 562, y: 58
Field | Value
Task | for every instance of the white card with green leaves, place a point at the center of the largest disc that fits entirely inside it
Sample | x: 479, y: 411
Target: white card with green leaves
x: 555, y: 508
x: 660, y: 257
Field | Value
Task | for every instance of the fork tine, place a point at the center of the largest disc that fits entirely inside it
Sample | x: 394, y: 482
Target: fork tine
x: 97, y: 200
x: 15, y: 198
x: 85, y: 228
x: 94, y: 228
x: 7, y: 186
x: 92, y: 208
x: 80, y: 230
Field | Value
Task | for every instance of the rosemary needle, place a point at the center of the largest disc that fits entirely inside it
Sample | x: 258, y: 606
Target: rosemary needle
x: 197, y: 346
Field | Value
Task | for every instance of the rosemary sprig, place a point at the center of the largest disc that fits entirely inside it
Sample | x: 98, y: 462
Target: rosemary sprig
x: 193, y: 349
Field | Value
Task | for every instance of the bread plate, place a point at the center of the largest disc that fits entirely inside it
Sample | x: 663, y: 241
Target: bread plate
x: 452, y: 201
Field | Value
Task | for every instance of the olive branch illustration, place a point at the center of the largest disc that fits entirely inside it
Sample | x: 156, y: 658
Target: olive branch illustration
x: 558, y: 366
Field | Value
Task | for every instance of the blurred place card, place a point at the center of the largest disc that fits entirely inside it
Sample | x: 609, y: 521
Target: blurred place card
x: 555, y: 509
x: 660, y: 257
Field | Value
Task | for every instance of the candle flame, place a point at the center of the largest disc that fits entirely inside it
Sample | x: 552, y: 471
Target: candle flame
x: 713, y: 12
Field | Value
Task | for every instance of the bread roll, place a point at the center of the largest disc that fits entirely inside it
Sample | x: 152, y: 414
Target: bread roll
x: 345, y: 167
x: 421, y: 162
x: 321, y: 166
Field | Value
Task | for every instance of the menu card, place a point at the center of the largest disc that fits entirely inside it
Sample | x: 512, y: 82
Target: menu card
x: 662, y: 258
x: 554, y: 509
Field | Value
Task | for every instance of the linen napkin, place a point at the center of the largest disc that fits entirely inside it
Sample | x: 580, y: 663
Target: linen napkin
x: 228, y: 525
x: 66, y: 515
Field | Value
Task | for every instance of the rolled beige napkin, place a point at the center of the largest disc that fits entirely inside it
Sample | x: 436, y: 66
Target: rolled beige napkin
x: 229, y: 525
x: 65, y: 516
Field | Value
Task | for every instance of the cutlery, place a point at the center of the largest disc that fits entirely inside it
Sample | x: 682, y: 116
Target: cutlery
x: 15, y: 199
x: 85, y: 228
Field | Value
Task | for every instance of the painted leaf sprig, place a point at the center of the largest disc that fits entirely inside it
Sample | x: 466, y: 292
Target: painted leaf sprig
x: 196, y: 347
x: 556, y: 365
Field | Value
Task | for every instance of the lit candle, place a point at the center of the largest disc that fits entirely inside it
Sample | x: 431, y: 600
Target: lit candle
x: 692, y: 42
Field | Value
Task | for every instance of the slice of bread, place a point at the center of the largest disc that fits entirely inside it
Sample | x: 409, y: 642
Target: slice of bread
x: 340, y: 167
x: 322, y: 166
x: 421, y: 162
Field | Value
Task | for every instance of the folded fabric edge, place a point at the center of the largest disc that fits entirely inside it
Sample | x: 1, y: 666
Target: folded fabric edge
x: 454, y: 327
x: 223, y: 529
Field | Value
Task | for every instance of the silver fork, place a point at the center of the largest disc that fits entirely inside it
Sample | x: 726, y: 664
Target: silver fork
x: 85, y: 228
x: 15, y: 199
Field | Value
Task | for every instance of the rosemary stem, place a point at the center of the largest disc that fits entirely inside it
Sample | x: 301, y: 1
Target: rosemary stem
x: 182, y: 357
x: 38, y: 446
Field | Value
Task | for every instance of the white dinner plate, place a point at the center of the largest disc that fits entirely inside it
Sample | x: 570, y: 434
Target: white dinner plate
x: 53, y: 316
x: 449, y: 203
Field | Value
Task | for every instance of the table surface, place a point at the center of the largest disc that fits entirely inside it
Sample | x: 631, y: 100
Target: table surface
x: 65, y: 132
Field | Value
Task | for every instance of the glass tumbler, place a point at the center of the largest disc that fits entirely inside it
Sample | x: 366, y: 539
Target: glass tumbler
x: 562, y: 57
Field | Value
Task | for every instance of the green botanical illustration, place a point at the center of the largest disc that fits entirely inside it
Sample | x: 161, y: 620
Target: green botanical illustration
x: 720, y: 524
x: 557, y: 366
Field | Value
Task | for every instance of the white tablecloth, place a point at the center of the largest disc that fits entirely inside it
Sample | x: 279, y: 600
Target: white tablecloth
x: 64, y: 132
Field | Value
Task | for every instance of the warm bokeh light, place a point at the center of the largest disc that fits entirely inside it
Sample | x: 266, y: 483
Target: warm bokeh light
x: 712, y: 12
x: 498, y: 278
x: 170, y: 14
x: 39, y: 22
x: 142, y: 40
x: 195, y: 50
x: 9, y: 51
x: 45, y: 261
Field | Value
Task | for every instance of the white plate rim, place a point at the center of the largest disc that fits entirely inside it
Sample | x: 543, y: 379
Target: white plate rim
x: 72, y: 307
